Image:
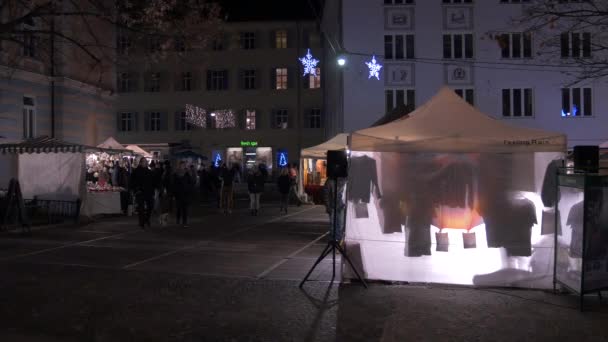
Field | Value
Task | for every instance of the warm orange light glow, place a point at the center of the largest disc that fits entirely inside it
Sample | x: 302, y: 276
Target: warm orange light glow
x: 456, y: 218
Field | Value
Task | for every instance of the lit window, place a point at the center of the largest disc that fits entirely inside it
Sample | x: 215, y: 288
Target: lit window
x: 314, y: 81
x: 517, y: 102
x: 250, y: 119
x: 281, y: 119
x: 576, y: 102
x: 281, y: 78
x: 281, y: 39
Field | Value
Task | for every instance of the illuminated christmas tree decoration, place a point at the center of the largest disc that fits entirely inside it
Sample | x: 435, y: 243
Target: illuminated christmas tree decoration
x: 196, y: 116
x: 217, y: 161
x: 310, y: 64
x: 282, y: 160
x: 374, y: 68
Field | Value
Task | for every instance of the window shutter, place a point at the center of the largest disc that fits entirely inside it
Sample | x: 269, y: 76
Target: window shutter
x: 273, y: 78
x: 177, y: 81
x: 135, y: 122
x: 164, y: 121
x: 118, y: 122
x: 272, y: 119
x: 134, y: 82
x: 291, y: 119
x: 241, y: 117
x: 291, y: 38
x: 146, y: 121
x: 305, y: 80
x: 164, y: 82
x: 227, y: 79
x: 305, y: 38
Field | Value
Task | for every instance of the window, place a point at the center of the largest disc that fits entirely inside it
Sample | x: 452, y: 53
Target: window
x: 515, y: 45
x: 249, y: 79
x: 517, y: 102
x: 248, y: 40
x: 125, y: 123
x: 123, y: 44
x: 398, y: 2
x: 217, y: 80
x: 314, y: 81
x: 514, y: 1
x: 458, y: 45
x: 29, y: 117
x: 124, y: 82
x: 186, y: 81
x: 153, y: 82
x: 457, y: 1
x: 467, y: 94
x: 154, y: 120
x: 182, y: 122
x: 399, y: 46
x: 575, y: 44
x: 399, y: 98
x: 314, y: 118
x: 281, y: 119
x: 281, y: 78
x: 281, y: 39
x: 250, y: 119
x: 576, y: 102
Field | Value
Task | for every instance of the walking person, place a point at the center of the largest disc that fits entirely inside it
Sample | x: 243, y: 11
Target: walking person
x: 204, y: 186
x: 142, y: 184
x: 284, y: 185
x: 293, y: 181
x: 227, y: 189
x: 255, y: 184
x: 182, y: 190
x: 122, y: 180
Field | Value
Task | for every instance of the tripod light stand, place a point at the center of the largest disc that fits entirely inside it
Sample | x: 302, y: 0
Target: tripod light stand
x: 334, y: 244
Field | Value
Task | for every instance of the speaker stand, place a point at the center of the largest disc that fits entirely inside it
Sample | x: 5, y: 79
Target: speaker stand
x: 333, y: 245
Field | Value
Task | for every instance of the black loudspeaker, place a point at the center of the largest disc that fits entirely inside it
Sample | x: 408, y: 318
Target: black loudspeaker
x: 337, y: 164
x: 586, y: 158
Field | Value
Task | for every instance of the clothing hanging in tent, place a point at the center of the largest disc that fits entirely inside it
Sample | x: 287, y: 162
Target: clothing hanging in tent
x: 365, y: 181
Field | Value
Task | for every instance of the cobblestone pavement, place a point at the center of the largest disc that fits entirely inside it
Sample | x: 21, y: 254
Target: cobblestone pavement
x: 236, y: 278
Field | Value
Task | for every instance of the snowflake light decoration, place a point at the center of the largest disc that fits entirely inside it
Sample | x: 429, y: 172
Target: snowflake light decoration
x: 196, y: 116
x: 310, y: 64
x: 374, y: 68
x: 224, y: 118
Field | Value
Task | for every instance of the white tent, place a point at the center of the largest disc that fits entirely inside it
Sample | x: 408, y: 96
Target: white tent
x: 111, y: 144
x: 320, y: 151
x: 447, y: 123
x: 139, y: 151
x: 450, y: 195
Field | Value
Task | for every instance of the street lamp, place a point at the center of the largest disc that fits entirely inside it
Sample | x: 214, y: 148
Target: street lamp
x: 341, y: 60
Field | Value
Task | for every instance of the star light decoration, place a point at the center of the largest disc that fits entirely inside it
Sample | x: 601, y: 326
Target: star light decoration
x: 196, y: 116
x: 310, y: 64
x: 374, y: 68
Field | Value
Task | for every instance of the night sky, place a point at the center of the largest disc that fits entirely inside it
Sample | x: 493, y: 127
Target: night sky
x: 245, y: 10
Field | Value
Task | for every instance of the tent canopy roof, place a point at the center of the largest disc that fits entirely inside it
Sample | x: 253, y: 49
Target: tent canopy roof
x: 447, y: 123
x: 43, y: 144
x: 139, y: 151
x: 112, y: 144
x: 320, y: 151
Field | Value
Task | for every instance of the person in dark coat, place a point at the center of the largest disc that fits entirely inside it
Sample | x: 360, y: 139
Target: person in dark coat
x: 255, y: 185
x: 182, y: 185
x: 143, y: 186
x: 284, y: 185
x: 122, y: 180
x: 228, y: 176
x: 204, y: 186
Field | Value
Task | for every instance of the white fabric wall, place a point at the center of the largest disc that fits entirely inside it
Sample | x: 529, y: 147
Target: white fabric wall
x: 51, y: 175
x: 8, y: 169
x: 384, y: 236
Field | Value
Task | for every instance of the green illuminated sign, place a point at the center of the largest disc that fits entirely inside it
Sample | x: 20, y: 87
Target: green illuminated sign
x: 249, y: 143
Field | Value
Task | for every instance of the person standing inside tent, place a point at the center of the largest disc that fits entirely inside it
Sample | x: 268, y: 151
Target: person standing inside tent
x: 182, y: 186
x: 142, y: 184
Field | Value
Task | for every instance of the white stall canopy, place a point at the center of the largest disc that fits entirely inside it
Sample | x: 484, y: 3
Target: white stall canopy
x: 139, y: 151
x: 447, y: 123
x: 320, y: 151
x: 451, y: 195
x: 111, y: 144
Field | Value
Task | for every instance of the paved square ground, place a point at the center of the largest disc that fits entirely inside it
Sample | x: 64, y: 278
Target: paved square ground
x: 235, y: 278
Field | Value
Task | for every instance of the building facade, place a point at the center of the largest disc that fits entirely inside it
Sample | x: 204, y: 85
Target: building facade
x: 243, y: 98
x: 471, y: 46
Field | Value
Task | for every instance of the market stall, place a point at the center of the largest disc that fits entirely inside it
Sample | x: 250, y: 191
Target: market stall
x: 139, y: 151
x: 451, y: 195
x: 313, y: 166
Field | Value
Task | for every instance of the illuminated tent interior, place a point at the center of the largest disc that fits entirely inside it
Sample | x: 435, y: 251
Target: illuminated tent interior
x: 451, y: 195
x: 112, y: 144
x: 313, y: 166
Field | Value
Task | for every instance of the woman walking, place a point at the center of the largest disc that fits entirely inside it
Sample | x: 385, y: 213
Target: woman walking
x: 182, y: 186
x: 284, y: 184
